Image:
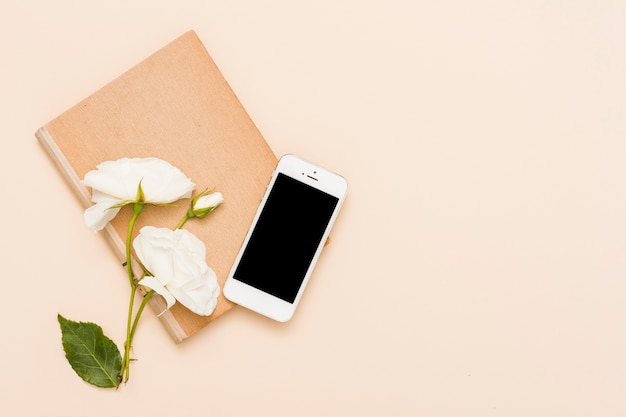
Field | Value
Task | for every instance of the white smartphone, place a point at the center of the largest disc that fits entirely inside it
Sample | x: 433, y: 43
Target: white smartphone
x: 286, y: 238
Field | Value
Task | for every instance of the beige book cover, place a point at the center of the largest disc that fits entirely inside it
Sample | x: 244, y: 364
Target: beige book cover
x: 177, y: 106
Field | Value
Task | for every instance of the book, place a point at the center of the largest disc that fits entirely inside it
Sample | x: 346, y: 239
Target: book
x: 174, y: 105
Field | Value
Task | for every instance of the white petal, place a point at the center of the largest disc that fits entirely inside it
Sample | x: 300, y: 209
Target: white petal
x: 199, y: 296
x: 161, y: 182
x: 209, y: 200
x: 154, y: 251
x: 154, y: 284
x: 113, y: 178
x: 98, y: 196
x: 176, y: 258
x: 98, y: 215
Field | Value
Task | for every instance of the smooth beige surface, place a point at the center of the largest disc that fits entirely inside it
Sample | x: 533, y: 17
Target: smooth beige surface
x: 478, y: 267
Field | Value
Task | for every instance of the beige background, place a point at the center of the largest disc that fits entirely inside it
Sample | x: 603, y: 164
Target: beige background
x: 477, y: 268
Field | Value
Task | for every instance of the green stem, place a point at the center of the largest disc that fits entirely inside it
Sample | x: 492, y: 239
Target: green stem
x: 130, y: 333
x: 137, y: 208
x: 186, y: 217
x: 145, y: 300
x: 125, y: 371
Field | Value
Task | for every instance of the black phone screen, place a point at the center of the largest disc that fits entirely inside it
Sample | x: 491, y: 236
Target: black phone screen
x: 287, y: 234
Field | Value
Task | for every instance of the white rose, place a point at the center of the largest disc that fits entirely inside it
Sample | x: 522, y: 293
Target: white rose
x: 115, y: 183
x: 176, y: 259
x: 205, y: 203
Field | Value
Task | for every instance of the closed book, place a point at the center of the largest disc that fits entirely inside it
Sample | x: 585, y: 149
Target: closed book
x: 177, y: 106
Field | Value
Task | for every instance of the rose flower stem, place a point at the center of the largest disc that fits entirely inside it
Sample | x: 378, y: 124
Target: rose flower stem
x: 182, y: 221
x: 137, y: 208
x: 125, y: 371
x: 145, y: 300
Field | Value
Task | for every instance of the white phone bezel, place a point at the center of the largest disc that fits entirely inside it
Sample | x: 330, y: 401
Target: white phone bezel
x: 260, y: 301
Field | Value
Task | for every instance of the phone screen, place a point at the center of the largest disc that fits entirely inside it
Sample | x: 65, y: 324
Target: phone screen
x: 287, y: 234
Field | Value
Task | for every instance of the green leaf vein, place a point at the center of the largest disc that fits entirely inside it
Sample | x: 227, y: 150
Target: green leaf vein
x: 92, y: 355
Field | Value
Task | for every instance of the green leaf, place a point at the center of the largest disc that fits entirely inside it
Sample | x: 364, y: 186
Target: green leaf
x: 92, y: 355
x: 122, y: 204
x: 140, y: 195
